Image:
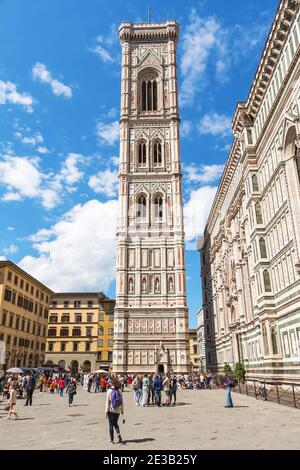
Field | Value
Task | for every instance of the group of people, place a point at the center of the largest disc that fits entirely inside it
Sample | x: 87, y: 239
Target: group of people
x: 149, y: 387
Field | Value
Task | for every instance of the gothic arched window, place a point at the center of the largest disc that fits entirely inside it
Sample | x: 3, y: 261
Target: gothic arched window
x: 142, y: 154
x: 274, y: 340
x: 255, y: 186
x: 267, y: 281
x: 157, y: 156
x: 258, y: 213
x: 158, y: 207
x: 149, y: 94
x: 141, y: 212
x: 263, y: 248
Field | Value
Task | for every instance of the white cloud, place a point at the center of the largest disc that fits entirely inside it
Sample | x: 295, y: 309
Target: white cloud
x: 42, y: 149
x: 3, y: 258
x: 30, y: 140
x: 215, y: 124
x: 103, y: 53
x: 78, y: 252
x: 203, y: 174
x: 70, y: 173
x: 109, y: 133
x: 9, y: 94
x: 114, y: 160
x: 199, y: 39
x: 43, y: 75
x: 10, y: 229
x: 10, y: 250
x: 186, y: 128
x: 22, y: 178
x: 104, y: 182
x: 196, y: 211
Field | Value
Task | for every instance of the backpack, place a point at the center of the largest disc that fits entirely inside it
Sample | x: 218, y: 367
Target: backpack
x: 116, y: 398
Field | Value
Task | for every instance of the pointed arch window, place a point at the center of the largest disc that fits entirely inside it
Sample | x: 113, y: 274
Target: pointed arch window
x: 158, y: 208
x: 263, y: 248
x: 142, y: 154
x: 255, y: 186
x: 157, y: 154
x: 258, y: 213
x: 274, y: 340
x: 267, y: 281
x: 141, y: 212
x: 149, y: 95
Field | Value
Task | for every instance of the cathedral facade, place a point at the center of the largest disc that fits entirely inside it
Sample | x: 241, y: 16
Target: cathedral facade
x: 151, y: 314
x: 250, y: 252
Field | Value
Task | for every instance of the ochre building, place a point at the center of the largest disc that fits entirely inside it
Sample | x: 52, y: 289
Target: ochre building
x: 24, y: 308
x: 80, y: 331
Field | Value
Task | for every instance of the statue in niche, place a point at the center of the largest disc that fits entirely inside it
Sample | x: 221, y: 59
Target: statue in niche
x: 171, y: 284
x: 130, y: 286
x: 131, y: 258
x: 157, y: 285
x: 144, y: 284
x: 144, y: 260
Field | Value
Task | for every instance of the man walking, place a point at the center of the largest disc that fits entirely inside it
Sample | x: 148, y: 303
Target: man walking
x: 29, y: 390
x: 157, y: 386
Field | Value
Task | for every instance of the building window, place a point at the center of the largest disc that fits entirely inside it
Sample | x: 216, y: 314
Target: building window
x: 66, y: 304
x: 110, y: 356
x: 50, y: 347
x: 9, y: 276
x: 7, y: 295
x: 65, y: 319
x: 53, y: 319
x: 263, y: 248
x: 258, y: 213
x: 110, y: 331
x: 255, y: 186
x: 11, y: 321
x: 21, y: 284
x: 75, y: 346
x: 100, y: 331
x: 110, y: 343
x: 89, y: 317
x: 100, y: 343
x: 157, y: 154
x: 142, y: 154
x: 76, y: 332
x: 90, y: 304
x: 267, y: 281
x: 4, y: 315
x: 64, y: 332
x: 78, y: 318
x: 16, y: 280
x: 62, y: 347
x: 149, y: 95
x: 77, y: 303
x: 101, y: 317
x: 87, y: 347
x: 52, y: 332
x: 141, y: 208
x: 111, y: 318
x: 274, y: 341
x: 158, y: 208
x: 88, y: 331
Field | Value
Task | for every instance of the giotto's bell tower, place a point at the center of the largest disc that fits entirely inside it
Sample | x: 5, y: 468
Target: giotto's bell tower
x: 151, y: 314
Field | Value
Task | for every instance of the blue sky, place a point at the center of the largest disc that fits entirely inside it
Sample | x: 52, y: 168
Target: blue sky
x: 59, y: 110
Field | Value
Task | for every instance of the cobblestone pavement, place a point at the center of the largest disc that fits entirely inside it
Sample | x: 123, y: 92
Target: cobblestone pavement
x: 199, y: 421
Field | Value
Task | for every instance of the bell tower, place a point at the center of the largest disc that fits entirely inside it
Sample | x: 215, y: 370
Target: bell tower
x: 151, y: 314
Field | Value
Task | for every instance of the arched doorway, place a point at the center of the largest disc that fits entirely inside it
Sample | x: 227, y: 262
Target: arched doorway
x: 74, y: 367
x: 86, y: 366
x: 62, y: 364
x: 49, y: 363
x: 161, y: 369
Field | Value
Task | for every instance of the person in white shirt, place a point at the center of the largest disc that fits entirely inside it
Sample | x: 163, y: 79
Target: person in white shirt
x: 12, y: 401
x: 114, y: 406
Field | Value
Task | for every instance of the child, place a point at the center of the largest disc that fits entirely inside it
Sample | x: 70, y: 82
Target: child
x: 12, y: 401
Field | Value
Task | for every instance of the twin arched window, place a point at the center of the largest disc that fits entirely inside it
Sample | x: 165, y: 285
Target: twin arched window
x: 141, y: 211
x: 149, y: 95
x: 142, y: 154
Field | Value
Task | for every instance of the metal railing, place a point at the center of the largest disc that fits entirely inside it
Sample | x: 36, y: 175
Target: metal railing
x: 284, y: 393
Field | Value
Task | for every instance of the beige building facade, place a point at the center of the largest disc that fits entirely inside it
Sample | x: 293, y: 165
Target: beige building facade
x: 151, y: 314
x: 80, y: 331
x: 193, y: 342
x: 250, y: 252
x: 24, y: 309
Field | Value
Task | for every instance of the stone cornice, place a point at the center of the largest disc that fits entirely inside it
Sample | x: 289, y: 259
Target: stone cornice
x: 145, y: 32
x: 268, y: 62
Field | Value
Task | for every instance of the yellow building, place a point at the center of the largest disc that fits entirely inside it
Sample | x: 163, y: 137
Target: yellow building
x: 80, y: 331
x: 24, y: 307
x: 193, y: 350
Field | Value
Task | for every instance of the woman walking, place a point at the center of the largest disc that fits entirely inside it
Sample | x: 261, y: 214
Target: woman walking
x: 113, y: 408
x: 166, y: 386
x: 173, y: 390
x: 71, y: 390
x: 12, y: 401
x: 145, y: 390
x: 228, y: 383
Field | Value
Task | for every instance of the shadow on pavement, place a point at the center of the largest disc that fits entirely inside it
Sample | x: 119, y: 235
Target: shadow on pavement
x: 23, y: 419
x: 138, y: 441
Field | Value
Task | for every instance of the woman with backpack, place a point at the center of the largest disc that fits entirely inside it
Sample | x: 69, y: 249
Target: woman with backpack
x: 113, y: 408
